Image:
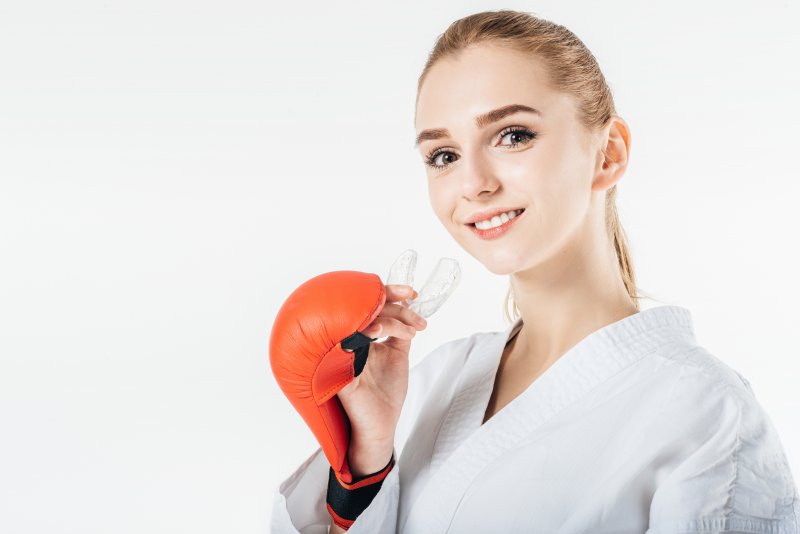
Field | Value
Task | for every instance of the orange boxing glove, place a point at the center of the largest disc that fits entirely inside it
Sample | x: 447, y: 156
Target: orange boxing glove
x: 307, y: 351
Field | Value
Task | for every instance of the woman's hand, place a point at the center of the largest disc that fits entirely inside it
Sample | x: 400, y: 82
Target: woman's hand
x: 374, y: 398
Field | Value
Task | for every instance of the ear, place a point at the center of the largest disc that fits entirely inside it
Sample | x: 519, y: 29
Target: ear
x: 612, y: 159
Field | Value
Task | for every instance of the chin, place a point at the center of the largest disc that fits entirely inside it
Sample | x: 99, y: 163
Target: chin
x: 500, y: 270
x: 500, y: 266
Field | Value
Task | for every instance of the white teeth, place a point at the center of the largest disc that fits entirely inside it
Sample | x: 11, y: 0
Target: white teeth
x: 497, y: 220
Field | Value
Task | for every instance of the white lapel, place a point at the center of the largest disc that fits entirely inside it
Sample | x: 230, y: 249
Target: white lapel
x: 473, y: 393
x: 464, y: 446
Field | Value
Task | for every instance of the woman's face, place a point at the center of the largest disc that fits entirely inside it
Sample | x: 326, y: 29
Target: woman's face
x: 541, y: 162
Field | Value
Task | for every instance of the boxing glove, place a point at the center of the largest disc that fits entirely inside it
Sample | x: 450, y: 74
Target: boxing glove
x: 316, y: 348
x: 307, y: 349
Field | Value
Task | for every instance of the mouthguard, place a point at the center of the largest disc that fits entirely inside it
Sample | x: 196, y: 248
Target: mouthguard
x: 441, y: 283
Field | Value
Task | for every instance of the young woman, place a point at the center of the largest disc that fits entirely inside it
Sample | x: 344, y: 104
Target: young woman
x: 587, y: 414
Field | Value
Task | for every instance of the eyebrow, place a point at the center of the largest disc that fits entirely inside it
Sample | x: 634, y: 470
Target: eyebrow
x: 480, y: 121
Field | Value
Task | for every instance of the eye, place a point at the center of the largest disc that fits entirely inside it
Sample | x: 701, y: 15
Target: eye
x: 518, y: 132
x: 513, y: 131
x: 430, y: 159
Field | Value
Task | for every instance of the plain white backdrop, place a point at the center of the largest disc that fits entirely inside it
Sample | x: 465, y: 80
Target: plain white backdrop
x: 171, y: 170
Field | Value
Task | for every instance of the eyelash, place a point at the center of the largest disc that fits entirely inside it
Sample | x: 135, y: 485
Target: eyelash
x: 431, y: 157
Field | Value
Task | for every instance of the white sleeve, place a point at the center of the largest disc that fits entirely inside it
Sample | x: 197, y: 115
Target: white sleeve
x: 734, y: 478
x: 299, y: 502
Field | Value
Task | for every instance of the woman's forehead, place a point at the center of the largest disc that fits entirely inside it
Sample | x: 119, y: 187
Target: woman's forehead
x: 458, y: 89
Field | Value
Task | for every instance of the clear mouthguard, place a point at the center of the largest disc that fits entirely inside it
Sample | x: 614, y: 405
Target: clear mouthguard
x: 441, y: 283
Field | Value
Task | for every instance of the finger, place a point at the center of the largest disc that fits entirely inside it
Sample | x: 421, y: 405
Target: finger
x: 385, y: 326
x: 405, y: 314
x: 399, y: 292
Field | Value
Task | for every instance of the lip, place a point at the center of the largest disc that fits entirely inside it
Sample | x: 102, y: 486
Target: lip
x: 488, y: 214
x: 493, y: 233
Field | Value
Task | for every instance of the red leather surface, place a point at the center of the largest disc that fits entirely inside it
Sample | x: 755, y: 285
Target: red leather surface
x: 306, y: 356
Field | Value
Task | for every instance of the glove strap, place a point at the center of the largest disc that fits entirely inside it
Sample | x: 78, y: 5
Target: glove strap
x: 358, y: 343
x: 345, y: 502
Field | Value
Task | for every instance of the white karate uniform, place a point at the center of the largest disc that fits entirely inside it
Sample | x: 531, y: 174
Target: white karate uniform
x: 634, y: 429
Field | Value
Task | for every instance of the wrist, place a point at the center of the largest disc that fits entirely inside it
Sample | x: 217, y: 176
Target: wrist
x: 366, y: 458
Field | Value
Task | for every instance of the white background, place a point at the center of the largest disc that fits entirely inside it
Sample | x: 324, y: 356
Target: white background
x: 171, y: 170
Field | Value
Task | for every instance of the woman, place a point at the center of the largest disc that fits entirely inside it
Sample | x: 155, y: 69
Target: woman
x: 586, y: 414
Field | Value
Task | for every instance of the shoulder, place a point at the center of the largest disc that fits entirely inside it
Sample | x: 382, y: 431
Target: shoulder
x: 703, y: 388
x: 726, y: 459
x: 700, y: 366
x: 707, y: 393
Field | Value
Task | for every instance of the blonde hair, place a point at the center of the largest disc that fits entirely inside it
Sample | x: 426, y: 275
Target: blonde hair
x: 572, y: 69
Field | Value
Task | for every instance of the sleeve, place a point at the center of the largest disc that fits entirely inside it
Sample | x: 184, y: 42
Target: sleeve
x: 734, y: 477
x: 299, y: 502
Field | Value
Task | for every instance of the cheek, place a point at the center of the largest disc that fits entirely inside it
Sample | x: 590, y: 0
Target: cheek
x: 563, y: 206
x: 561, y: 174
x: 552, y: 182
x: 440, y: 203
x: 529, y: 179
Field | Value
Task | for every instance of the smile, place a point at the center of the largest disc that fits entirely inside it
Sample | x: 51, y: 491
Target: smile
x: 497, y: 225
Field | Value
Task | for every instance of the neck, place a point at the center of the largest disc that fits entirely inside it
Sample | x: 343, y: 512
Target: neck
x: 561, y: 301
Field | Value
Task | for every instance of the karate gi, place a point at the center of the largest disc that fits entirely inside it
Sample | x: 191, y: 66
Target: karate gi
x: 635, y: 429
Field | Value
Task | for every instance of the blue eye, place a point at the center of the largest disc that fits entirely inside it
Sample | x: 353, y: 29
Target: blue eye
x: 430, y: 159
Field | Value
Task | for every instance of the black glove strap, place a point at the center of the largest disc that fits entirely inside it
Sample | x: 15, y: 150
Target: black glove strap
x: 349, y: 501
x: 358, y: 343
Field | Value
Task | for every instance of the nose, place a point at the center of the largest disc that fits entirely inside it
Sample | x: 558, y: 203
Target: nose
x: 477, y: 176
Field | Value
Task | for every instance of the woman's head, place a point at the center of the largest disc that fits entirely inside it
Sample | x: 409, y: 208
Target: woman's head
x: 559, y: 160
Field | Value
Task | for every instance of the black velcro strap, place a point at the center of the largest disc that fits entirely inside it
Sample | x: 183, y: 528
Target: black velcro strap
x: 359, y: 343
x: 349, y: 503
